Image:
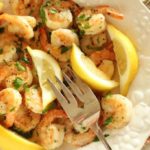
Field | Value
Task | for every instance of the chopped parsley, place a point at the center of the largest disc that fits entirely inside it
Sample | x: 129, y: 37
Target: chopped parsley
x: 83, y: 17
x: 108, y: 121
x: 55, y: 141
x: 5, y: 62
x: 96, y: 139
x: 24, y: 59
x: 86, y: 26
x: 26, y: 87
x: 12, y: 109
x: 106, y: 135
x: 19, y: 50
x: 53, y: 11
x: 82, y: 32
x: 20, y: 67
x: 93, y: 48
x: 109, y: 95
x: 32, y: 11
x: 2, y: 30
x: 50, y: 107
x: 18, y: 82
x: 42, y: 11
x: 1, y: 50
x: 42, y: 14
x: 64, y: 49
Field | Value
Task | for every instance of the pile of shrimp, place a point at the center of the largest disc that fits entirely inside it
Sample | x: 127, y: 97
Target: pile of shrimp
x: 53, y: 26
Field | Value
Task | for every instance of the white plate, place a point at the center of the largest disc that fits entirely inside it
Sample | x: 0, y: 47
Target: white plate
x: 137, y: 26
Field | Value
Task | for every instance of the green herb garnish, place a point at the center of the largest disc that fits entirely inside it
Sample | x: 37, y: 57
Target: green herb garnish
x: 64, y: 49
x: 106, y: 135
x: 26, y: 87
x: 83, y: 17
x: 1, y: 50
x: 19, y: 50
x: 18, y: 82
x: 24, y: 59
x: 20, y: 67
x: 94, y: 48
x: 82, y: 32
x: 108, y: 95
x: 32, y: 11
x: 12, y: 109
x: 42, y: 11
x: 49, y: 107
x: 108, y: 121
x: 96, y: 139
x: 53, y: 11
x: 86, y: 26
x: 42, y: 14
x: 5, y: 62
x: 2, y: 30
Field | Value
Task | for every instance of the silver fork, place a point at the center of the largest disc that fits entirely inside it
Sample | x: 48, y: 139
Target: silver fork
x: 88, y: 115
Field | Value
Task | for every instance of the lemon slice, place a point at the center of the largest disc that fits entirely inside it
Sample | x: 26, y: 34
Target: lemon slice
x: 10, y: 140
x: 46, y: 67
x: 86, y: 70
x: 126, y: 56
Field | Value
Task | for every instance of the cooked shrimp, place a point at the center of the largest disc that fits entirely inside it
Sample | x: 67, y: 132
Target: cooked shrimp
x: 107, y: 67
x: 8, y: 53
x: 107, y: 10
x: 56, y: 17
x: 98, y: 56
x: 54, y: 51
x: 92, y: 20
x: 10, y: 101
x: 91, y: 43
x: 26, y: 7
x: 117, y: 111
x: 50, y: 133
x: 7, y: 47
x: 60, y: 55
x: 26, y: 120
x: 78, y: 139
x: 62, y: 40
x: 90, y: 23
x: 21, y: 25
x: 14, y: 74
x: 33, y: 99
x: 64, y: 37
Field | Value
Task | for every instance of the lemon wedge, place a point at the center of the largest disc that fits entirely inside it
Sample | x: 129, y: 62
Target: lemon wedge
x: 10, y: 140
x: 86, y: 70
x: 46, y: 67
x: 126, y: 56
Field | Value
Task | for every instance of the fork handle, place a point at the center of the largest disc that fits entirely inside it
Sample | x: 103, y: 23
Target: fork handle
x: 95, y: 127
